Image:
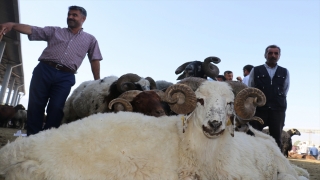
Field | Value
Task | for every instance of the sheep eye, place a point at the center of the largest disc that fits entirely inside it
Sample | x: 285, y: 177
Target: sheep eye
x: 201, y: 101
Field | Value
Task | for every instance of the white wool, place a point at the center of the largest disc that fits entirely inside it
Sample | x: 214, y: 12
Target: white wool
x: 87, y: 99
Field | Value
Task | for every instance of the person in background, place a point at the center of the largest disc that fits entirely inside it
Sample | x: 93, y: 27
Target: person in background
x: 228, y: 75
x: 303, y: 149
x: 220, y: 78
x: 273, y: 80
x: 314, y: 152
x: 54, y: 76
x: 246, y: 72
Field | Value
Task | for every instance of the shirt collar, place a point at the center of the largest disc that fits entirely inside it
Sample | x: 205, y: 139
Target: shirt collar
x: 79, y: 32
x: 266, y: 65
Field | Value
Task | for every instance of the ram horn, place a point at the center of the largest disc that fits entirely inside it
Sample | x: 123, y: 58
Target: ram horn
x: 246, y: 101
x: 152, y: 83
x: 126, y: 82
x: 120, y: 104
x: 209, y: 69
x: 181, y: 98
x: 182, y: 67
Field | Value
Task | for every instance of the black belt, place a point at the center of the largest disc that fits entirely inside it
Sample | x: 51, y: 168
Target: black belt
x: 59, y: 67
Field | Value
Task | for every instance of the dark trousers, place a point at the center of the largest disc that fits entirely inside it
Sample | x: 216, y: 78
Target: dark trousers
x: 48, y: 86
x: 272, y: 118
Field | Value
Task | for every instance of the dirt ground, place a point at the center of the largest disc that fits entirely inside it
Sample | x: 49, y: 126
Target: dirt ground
x: 312, y: 166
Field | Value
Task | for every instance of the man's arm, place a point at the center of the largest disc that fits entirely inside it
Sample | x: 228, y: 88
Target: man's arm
x: 251, y: 78
x: 95, y: 67
x: 286, y: 84
x: 22, y: 28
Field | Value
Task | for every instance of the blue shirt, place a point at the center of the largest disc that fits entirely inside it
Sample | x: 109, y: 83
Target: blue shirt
x: 314, y: 151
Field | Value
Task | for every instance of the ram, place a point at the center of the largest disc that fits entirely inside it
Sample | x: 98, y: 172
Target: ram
x: 193, y: 145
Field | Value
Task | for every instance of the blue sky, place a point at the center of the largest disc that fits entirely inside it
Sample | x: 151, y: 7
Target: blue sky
x: 153, y: 38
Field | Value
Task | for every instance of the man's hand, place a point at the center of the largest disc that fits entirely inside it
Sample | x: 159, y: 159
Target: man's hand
x: 21, y: 28
x: 239, y: 78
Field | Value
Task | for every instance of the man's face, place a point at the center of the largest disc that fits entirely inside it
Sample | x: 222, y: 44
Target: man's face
x: 75, y: 19
x: 229, y: 76
x: 245, y: 72
x: 272, y: 55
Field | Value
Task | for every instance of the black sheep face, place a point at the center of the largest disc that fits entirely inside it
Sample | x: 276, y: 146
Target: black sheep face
x: 295, y: 132
x: 194, y: 69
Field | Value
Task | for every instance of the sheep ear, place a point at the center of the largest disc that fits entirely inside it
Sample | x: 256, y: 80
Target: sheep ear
x: 230, y: 125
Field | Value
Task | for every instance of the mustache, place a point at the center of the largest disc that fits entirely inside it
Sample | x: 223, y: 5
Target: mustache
x: 70, y: 20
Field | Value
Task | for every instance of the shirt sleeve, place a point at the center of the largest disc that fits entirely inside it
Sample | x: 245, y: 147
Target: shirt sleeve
x: 251, y: 78
x: 94, y: 51
x: 41, y: 34
x: 286, y: 84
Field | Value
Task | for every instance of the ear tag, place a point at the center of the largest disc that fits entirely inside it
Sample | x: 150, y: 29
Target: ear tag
x: 229, y: 122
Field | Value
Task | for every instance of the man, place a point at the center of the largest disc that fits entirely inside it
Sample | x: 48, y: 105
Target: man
x: 273, y: 80
x: 246, y: 72
x: 314, y: 152
x: 54, y: 76
x: 220, y: 78
x: 303, y: 149
x: 228, y: 75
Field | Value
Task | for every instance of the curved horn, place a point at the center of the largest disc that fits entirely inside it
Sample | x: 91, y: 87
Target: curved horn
x: 247, y: 100
x: 126, y: 82
x: 129, y: 95
x: 182, y: 67
x: 181, y: 98
x: 209, y: 69
x: 120, y: 104
x: 152, y: 83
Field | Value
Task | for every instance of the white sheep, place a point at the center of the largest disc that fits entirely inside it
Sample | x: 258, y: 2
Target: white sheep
x: 134, y: 146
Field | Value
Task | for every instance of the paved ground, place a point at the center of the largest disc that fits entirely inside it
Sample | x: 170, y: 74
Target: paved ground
x: 313, y: 166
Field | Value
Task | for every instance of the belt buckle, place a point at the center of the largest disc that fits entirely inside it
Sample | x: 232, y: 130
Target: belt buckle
x: 59, y: 66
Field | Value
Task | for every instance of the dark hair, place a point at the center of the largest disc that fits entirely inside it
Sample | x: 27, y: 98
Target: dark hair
x: 272, y: 46
x: 248, y: 67
x: 222, y: 77
x: 227, y: 72
x: 81, y: 9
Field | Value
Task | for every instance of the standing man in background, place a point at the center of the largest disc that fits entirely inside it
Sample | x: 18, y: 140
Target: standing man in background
x: 246, y: 72
x: 273, y: 80
x: 54, y: 76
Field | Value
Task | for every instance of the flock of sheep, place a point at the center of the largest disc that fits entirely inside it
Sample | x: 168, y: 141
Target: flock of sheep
x: 137, y: 128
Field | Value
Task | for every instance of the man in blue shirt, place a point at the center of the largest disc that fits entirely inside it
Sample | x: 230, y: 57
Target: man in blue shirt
x: 314, y: 152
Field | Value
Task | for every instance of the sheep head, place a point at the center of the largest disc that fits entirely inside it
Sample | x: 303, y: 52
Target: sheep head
x: 199, y: 69
x: 293, y: 131
x: 146, y: 102
x: 218, y: 103
x: 132, y: 81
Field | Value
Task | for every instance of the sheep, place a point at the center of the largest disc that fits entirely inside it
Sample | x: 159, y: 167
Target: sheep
x: 19, y: 119
x: 163, y: 85
x: 286, y: 139
x: 91, y: 97
x: 129, y: 145
x: 8, y: 112
x: 199, y: 69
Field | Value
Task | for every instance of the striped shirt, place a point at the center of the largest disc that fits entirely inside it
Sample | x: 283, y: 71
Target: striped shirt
x: 64, y: 47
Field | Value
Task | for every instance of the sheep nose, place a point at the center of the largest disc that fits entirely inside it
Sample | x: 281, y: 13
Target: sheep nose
x: 215, y: 124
